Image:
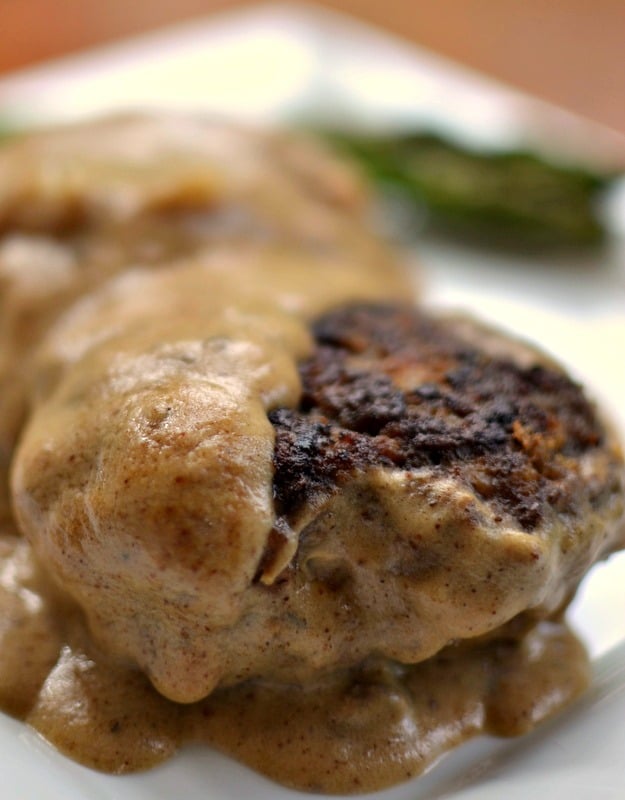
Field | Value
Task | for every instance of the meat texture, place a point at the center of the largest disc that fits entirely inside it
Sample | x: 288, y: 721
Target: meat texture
x: 278, y: 499
x: 243, y: 461
x: 82, y: 203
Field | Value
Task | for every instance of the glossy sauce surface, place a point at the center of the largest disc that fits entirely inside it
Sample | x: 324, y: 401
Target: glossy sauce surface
x: 156, y: 303
x: 355, y: 731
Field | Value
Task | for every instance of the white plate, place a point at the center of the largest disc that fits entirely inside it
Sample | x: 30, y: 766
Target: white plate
x: 276, y: 62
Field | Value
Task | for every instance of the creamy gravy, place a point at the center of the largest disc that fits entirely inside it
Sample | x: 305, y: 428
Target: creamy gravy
x: 127, y: 385
x: 356, y: 731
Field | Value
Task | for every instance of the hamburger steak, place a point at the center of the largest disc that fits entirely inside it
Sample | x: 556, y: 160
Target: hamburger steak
x: 438, y: 491
x: 257, y: 499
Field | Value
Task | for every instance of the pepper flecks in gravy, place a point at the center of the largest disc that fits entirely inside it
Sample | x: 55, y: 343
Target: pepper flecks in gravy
x: 352, y: 731
x: 278, y: 511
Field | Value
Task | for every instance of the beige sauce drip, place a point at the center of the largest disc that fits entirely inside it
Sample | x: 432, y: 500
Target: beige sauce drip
x: 355, y: 732
x: 356, y: 729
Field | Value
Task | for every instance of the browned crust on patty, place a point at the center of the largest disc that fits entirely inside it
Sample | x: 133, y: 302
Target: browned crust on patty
x: 393, y: 387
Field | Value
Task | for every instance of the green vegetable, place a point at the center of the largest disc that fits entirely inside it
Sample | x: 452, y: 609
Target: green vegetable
x: 512, y: 198
x: 6, y: 130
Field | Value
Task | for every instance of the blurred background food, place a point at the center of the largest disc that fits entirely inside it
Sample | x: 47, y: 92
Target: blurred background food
x: 502, y: 198
x: 568, y: 52
x: 571, y: 53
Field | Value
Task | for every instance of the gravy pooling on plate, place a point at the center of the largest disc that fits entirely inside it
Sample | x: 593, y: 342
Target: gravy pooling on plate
x: 355, y: 731
x: 331, y: 545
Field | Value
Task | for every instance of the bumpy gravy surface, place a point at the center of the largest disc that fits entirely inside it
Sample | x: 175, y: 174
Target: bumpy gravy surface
x: 355, y: 731
x: 120, y: 398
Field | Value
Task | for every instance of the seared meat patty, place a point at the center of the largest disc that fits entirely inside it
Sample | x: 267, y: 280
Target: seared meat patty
x: 418, y: 481
x: 347, y: 530
x: 82, y: 203
x: 394, y: 387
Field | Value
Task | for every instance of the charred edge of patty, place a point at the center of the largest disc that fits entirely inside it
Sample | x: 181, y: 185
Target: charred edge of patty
x: 388, y: 386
